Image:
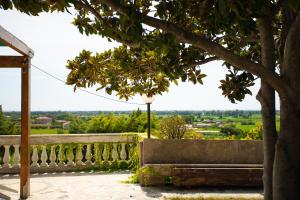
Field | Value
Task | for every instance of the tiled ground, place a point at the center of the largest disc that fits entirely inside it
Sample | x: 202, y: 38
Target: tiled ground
x: 101, y: 186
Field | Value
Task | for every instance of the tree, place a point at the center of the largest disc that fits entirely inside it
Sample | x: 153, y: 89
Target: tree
x: 165, y: 40
x: 7, y: 127
x: 256, y: 133
x: 173, y: 127
x: 77, y: 125
x: 230, y: 130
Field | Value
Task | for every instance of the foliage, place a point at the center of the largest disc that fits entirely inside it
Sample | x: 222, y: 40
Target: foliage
x: 77, y: 125
x: 189, y: 119
x: 173, y: 127
x: 7, y: 127
x: 143, y: 172
x: 255, y: 134
x: 135, y: 122
x: 192, y: 134
x: 230, y: 130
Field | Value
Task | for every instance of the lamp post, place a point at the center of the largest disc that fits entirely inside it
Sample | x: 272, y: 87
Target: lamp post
x: 148, y: 101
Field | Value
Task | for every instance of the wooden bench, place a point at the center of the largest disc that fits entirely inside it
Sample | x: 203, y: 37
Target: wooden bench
x: 191, y: 163
x: 193, y: 177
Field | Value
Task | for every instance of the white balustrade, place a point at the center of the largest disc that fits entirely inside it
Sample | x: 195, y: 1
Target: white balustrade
x: 123, y: 154
x: 79, y: 155
x: 51, y: 153
x: 16, y: 163
x: 52, y: 157
x: 35, y: 157
x: 44, y: 157
x: 88, y: 155
x: 114, y: 154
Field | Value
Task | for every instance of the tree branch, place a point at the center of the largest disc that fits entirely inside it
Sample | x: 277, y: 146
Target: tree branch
x: 99, y: 17
x: 206, y: 60
x: 201, y: 42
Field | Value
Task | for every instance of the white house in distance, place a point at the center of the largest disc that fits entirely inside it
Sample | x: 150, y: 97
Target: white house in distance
x: 43, y: 120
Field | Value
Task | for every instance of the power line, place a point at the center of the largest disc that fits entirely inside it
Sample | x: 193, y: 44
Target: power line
x: 86, y: 91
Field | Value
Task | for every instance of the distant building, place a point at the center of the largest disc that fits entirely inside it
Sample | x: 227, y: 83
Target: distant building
x: 189, y: 126
x: 43, y: 120
x: 202, y: 125
x: 64, y: 124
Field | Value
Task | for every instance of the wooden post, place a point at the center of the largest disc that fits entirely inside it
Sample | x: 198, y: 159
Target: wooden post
x: 25, y: 129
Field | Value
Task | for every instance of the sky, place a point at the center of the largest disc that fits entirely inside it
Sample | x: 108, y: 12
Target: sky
x: 55, y: 40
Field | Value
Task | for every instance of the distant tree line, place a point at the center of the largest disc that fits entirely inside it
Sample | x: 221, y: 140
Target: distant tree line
x: 134, y: 122
x: 64, y: 115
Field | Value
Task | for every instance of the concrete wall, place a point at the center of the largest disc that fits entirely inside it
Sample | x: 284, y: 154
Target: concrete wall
x: 202, y: 152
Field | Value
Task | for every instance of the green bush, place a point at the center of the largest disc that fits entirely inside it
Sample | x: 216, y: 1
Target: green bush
x: 247, y: 123
x: 77, y: 125
x: 230, y: 130
x: 256, y: 133
x: 173, y: 127
x: 135, y: 122
x: 7, y: 127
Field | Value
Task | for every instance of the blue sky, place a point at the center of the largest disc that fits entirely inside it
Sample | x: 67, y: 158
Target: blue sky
x: 55, y: 40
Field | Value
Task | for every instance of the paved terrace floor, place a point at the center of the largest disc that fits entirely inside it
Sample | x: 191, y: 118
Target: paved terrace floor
x: 104, y: 186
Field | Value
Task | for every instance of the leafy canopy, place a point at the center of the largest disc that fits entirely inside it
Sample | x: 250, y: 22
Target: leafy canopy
x: 167, y: 40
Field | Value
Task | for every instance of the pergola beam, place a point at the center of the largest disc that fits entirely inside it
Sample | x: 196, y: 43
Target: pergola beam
x: 13, y: 61
x: 25, y: 124
x: 23, y: 62
x: 13, y: 42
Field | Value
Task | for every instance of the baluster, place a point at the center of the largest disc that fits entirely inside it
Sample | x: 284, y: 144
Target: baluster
x: 70, y: 156
x: 79, y: 155
x: 96, y: 149
x: 53, y: 157
x: 35, y: 157
x: 88, y: 155
x: 61, y: 156
x: 16, y: 156
x: 44, y: 157
x: 130, y: 151
x: 123, y: 154
x: 105, y: 153
x: 6, y: 157
x: 114, y: 154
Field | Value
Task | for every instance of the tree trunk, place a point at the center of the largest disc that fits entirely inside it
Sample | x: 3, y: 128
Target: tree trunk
x: 266, y: 97
x: 269, y: 136
x: 286, y: 183
x: 286, y: 165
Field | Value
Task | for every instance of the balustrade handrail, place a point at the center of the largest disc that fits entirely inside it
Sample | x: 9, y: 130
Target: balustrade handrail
x: 69, y: 138
x: 53, y: 153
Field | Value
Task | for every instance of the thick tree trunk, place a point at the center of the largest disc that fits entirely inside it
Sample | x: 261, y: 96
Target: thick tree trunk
x: 266, y: 97
x: 286, y: 183
x: 269, y: 136
x: 287, y: 159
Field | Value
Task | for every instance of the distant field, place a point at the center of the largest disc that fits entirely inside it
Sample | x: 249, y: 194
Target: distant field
x: 47, y: 131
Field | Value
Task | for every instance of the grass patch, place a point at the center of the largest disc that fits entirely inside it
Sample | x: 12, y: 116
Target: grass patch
x: 46, y: 131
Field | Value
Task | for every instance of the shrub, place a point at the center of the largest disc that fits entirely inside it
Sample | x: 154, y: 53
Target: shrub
x: 77, y: 125
x: 192, y: 134
x: 173, y: 127
x: 7, y: 127
x: 230, y: 130
x: 256, y: 133
x: 247, y: 123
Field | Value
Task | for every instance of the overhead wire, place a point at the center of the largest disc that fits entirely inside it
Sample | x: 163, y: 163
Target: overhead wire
x: 83, y: 90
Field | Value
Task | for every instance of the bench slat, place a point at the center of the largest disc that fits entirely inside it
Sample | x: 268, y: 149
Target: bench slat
x: 191, y: 177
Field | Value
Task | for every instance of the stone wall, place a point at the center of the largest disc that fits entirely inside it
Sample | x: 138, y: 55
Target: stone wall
x: 201, y: 151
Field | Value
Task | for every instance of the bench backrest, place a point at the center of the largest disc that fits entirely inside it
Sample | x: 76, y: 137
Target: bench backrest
x: 154, y: 151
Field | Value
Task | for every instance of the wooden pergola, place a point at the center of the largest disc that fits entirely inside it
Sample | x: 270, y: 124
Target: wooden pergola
x: 23, y: 62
